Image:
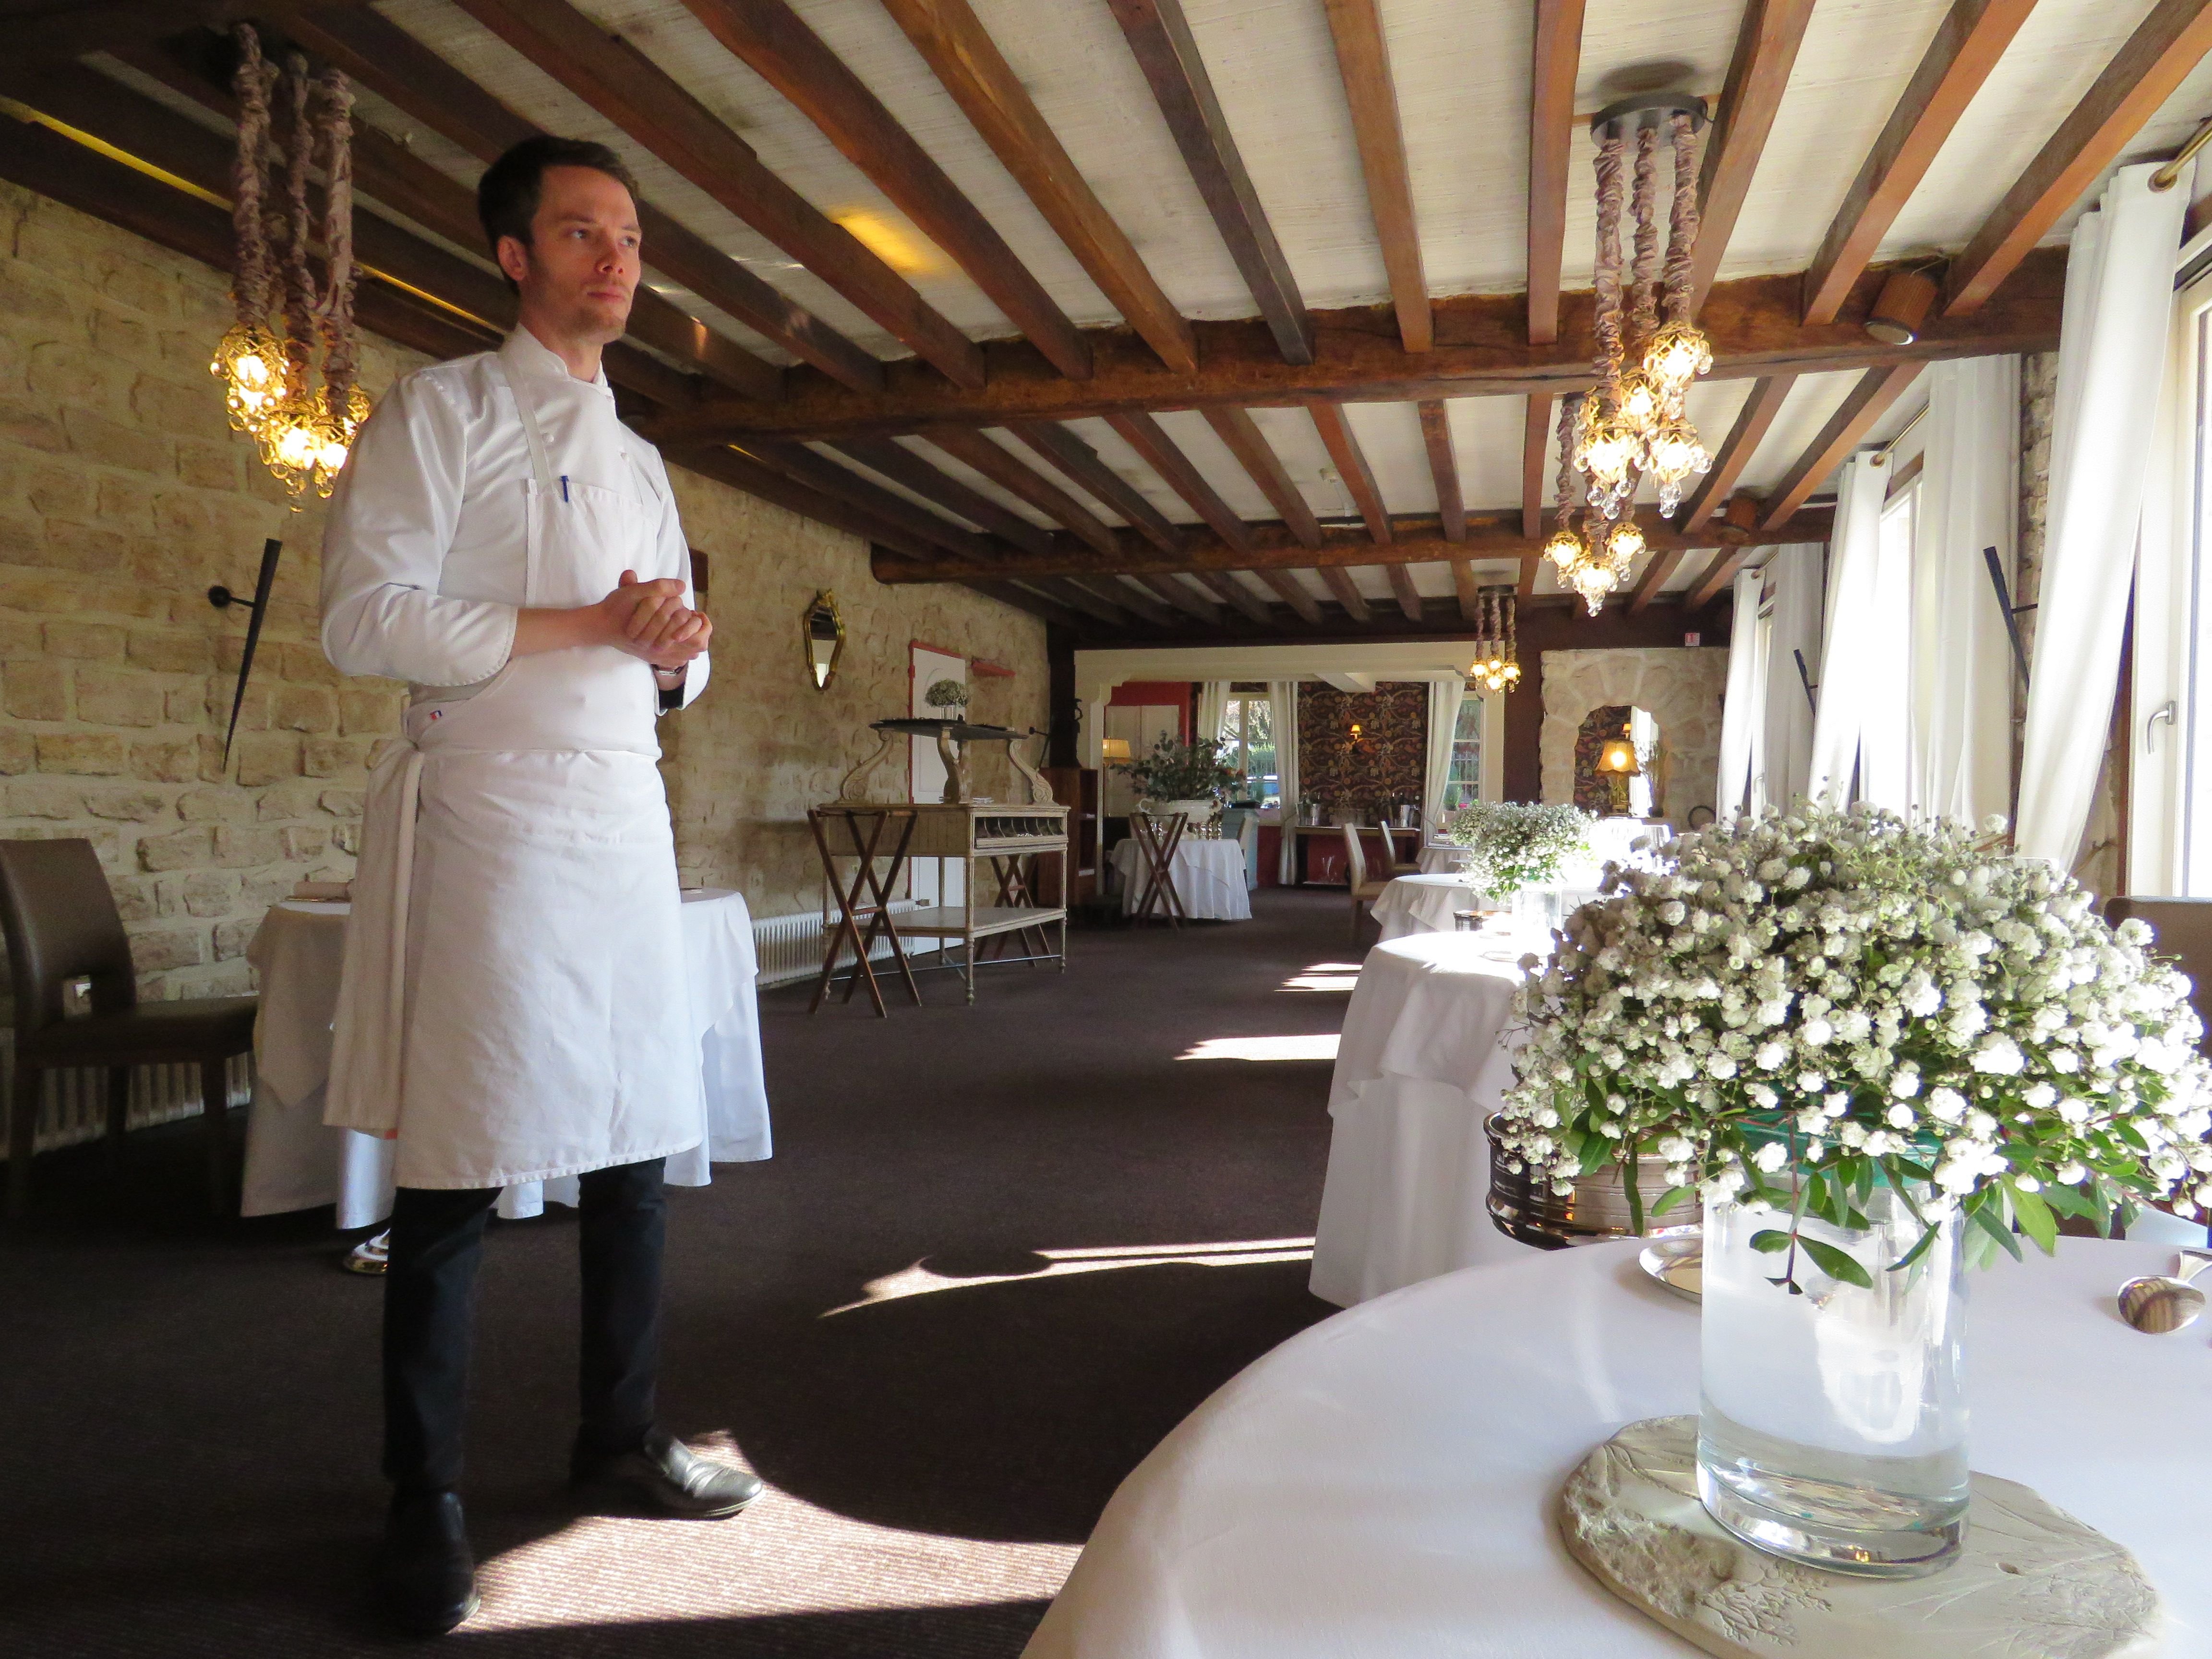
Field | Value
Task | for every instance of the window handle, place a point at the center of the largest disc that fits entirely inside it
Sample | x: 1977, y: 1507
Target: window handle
x: 2168, y: 714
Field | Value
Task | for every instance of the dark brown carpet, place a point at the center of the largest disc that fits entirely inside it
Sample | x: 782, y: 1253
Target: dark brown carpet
x: 188, y: 1421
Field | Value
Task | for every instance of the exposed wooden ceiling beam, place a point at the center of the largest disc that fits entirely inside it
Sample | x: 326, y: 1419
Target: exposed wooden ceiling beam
x: 1364, y: 59
x: 1131, y: 596
x: 1085, y: 598
x: 1742, y: 513
x: 1237, y: 429
x: 1759, y: 74
x: 1081, y: 464
x: 1340, y: 583
x: 1877, y: 388
x: 756, y: 477
x: 1359, y: 478
x: 902, y: 466
x: 71, y: 28
x: 1185, y: 597
x: 625, y: 86
x: 1468, y: 591
x: 1007, y: 471
x: 1225, y: 583
x: 836, y: 478
x: 1718, y: 575
x: 1558, y: 56
x: 1436, y: 435
x: 1535, y: 434
x: 1160, y: 36
x: 964, y: 58
x: 1160, y: 452
x: 1036, y: 604
x: 1973, y: 36
x: 396, y: 66
x: 1743, y: 439
x: 1532, y: 565
x: 2150, y: 66
x: 769, y: 36
x: 1403, y: 591
x: 1292, y: 593
x: 1755, y: 325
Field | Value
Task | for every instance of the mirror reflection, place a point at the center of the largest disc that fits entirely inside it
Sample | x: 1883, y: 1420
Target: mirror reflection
x: 823, y: 632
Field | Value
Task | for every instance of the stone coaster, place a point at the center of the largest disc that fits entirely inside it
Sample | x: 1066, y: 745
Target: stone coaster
x: 2032, y: 1582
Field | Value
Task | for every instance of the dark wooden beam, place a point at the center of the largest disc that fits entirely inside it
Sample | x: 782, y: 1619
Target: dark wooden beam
x: 70, y: 28
x: 1363, y: 60
x: 902, y: 466
x: 964, y: 56
x: 1657, y: 569
x: 1443, y: 468
x: 1036, y: 604
x: 1558, y: 56
x: 1467, y: 590
x: 1340, y: 584
x: 1973, y: 36
x: 1225, y: 584
x: 769, y: 36
x: 1081, y: 596
x: 1003, y: 468
x: 1237, y: 429
x: 1351, y: 466
x: 769, y: 483
x: 396, y: 66
x: 1877, y: 388
x: 1150, y: 440
x: 1535, y: 434
x: 1082, y: 468
x: 1185, y: 597
x: 1755, y: 325
x: 1759, y: 74
x: 1718, y: 575
x: 2147, y: 71
x: 1160, y: 36
x: 1292, y: 593
x: 1132, y: 596
x: 1751, y: 421
x: 834, y: 478
x: 1532, y: 565
x: 1403, y: 591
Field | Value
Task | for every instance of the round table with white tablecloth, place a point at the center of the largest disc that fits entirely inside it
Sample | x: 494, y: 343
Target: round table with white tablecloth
x: 1441, y: 858
x: 295, y: 1162
x: 1423, y: 1060
x: 1209, y: 878
x: 1384, y: 1482
x: 1427, y: 904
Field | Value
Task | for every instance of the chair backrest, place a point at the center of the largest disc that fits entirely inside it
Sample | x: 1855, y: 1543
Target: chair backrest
x: 2183, y: 927
x: 61, y: 921
x: 1390, y: 844
x: 1355, y: 857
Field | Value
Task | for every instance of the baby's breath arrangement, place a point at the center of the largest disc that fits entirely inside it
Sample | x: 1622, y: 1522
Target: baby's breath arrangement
x: 1518, y: 844
x: 1854, y: 997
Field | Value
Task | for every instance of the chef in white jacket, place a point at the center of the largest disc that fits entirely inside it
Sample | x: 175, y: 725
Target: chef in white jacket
x: 514, y: 1001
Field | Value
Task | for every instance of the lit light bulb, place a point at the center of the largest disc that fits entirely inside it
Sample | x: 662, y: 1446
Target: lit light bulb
x: 1594, y: 581
x: 1565, y: 550
x: 1607, y: 449
x: 1641, y: 401
x: 1623, y: 543
x: 1677, y: 355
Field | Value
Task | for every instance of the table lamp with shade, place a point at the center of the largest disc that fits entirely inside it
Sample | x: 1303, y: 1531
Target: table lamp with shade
x: 1112, y: 750
x: 1619, y: 763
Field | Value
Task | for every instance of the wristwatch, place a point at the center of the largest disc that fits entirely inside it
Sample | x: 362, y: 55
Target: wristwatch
x: 672, y: 696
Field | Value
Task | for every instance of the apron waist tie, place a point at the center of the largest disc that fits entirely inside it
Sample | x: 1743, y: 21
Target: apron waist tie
x: 367, y: 1037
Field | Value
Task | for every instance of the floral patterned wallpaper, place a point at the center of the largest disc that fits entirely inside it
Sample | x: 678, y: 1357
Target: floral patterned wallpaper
x: 1380, y: 766
x: 1593, y: 790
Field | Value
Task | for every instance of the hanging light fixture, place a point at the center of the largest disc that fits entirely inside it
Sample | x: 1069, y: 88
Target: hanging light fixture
x: 1497, y: 666
x: 293, y: 391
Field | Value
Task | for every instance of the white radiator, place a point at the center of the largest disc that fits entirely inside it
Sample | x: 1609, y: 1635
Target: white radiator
x: 73, y: 1103
x: 790, y: 947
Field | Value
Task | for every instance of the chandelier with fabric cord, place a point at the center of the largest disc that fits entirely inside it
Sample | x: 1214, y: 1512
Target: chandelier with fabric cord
x: 289, y: 364
x: 1496, y: 666
x: 1632, y: 427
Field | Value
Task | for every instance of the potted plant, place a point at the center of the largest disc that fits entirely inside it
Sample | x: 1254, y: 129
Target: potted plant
x: 948, y: 698
x: 1189, y: 777
x: 1516, y: 844
x: 1876, y: 1051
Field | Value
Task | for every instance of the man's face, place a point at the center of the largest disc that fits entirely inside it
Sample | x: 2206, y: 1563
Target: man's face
x: 580, y: 268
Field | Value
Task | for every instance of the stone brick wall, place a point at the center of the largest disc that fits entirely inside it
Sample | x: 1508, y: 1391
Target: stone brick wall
x: 1679, y: 687
x: 123, y: 495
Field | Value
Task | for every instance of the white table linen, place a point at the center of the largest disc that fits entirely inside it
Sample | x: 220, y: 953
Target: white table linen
x: 1426, y: 904
x: 294, y: 1161
x: 1383, y: 1483
x: 1208, y: 876
x: 1440, y: 858
x: 1422, y: 1061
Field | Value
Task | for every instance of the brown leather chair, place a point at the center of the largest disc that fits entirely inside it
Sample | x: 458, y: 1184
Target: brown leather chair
x: 61, y: 923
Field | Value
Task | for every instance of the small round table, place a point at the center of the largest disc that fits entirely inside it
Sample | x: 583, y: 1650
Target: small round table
x: 1426, y: 904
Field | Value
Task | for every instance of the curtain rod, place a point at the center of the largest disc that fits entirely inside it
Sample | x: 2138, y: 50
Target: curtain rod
x: 2169, y: 175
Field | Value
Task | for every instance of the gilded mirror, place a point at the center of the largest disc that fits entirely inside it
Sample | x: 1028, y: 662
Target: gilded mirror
x: 822, y: 629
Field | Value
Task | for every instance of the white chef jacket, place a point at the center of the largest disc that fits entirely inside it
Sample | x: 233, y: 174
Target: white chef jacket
x: 513, y: 1001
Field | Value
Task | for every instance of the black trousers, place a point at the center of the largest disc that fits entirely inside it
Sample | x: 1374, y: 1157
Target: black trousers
x: 429, y: 1312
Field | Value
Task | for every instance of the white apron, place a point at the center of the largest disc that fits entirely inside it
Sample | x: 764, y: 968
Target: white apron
x: 514, y: 1003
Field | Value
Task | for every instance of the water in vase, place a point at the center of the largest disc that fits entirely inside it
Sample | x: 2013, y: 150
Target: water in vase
x: 1832, y: 1428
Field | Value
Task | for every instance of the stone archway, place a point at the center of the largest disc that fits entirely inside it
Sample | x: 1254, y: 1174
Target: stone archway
x: 1679, y: 687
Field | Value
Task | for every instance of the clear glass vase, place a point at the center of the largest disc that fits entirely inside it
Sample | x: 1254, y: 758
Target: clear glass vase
x: 1832, y: 1423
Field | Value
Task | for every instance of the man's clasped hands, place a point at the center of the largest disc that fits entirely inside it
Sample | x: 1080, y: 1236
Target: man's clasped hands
x: 649, y: 619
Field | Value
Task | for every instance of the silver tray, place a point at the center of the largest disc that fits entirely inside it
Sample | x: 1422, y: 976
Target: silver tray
x: 1676, y: 1265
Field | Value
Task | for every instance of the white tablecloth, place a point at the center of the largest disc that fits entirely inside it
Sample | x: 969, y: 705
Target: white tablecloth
x: 1382, y: 1484
x: 1424, y: 904
x: 1209, y: 878
x: 295, y: 1162
x: 1443, y: 858
x: 1421, y: 1063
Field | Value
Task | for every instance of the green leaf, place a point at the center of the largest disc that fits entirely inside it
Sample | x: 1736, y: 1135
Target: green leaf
x: 1772, y: 1242
x: 1995, y: 1228
x: 2035, y: 1218
x: 1927, y: 1240
x: 1836, y: 1264
x: 1670, y: 1197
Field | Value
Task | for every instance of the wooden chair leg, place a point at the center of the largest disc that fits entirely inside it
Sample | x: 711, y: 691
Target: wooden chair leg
x: 22, y: 1125
x: 215, y: 1108
x: 118, y: 1113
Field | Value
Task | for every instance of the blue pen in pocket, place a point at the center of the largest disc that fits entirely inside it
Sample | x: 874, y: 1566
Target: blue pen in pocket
x: 564, y: 486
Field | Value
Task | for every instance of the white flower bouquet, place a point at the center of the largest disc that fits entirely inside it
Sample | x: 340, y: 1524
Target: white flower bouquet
x: 1847, y: 996
x: 1518, y: 844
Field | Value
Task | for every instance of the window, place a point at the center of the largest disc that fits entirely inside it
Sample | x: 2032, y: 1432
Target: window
x: 1247, y: 727
x: 1463, y: 783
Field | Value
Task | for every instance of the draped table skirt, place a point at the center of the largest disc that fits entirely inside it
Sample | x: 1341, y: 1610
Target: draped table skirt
x: 1209, y: 878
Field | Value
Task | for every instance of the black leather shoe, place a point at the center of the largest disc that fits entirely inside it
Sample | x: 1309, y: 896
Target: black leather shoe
x: 426, y: 1579
x: 671, y: 1476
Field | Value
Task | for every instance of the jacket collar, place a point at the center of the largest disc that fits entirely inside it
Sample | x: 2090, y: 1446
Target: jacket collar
x: 526, y: 353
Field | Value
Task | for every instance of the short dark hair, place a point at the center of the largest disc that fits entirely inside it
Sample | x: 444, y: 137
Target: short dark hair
x: 506, y: 195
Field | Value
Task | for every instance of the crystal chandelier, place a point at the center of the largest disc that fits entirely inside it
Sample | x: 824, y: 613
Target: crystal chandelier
x: 1497, y: 654
x: 288, y: 381
x: 1631, y: 426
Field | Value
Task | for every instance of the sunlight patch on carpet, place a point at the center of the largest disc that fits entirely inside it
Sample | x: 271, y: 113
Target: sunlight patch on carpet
x: 920, y: 1279
x: 1319, y: 1045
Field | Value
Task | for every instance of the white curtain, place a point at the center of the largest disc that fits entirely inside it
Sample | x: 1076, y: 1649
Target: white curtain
x: 2111, y: 353
x: 1962, y: 669
x: 1445, y: 697
x: 1848, y: 641
x: 1885, y: 674
x: 1283, y: 708
x: 1783, y: 764
x: 1744, y: 709
x: 1213, y: 704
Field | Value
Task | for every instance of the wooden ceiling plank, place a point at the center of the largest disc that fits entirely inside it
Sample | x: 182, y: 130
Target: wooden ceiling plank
x: 1133, y: 596
x: 1877, y: 388
x: 966, y: 60
x: 1662, y: 565
x: 1082, y: 598
x: 1558, y: 56
x: 1352, y: 467
x: 1467, y: 590
x: 1435, y: 434
x: 772, y: 41
x: 68, y: 30
x: 1532, y: 565
x: 1161, y: 453
x: 1403, y: 591
x: 2148, y: 68
x: 1971, y: 38
x: 902, y: 466
x: 1225, y: 584
x: 1718, y: 575
x: 1362, y: 59
x: 770, y: 483
x: 1759, y: 74
x: 1292, y: 593
x: 1159, y: 35
x: 1082, y: 466
x: 834, y: 478
x: 1744, y: 438
x: 1036, y: 604
x: 392, y: 63
x: 1005, y: 468
x: 1535, y: 434
x: 1340, y: 583
x: 1184, y: 597
x: 1237, y: 428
